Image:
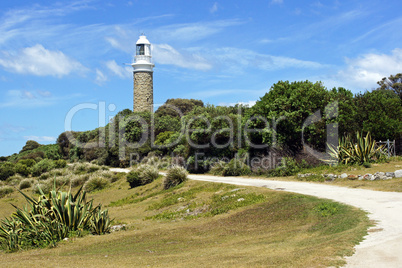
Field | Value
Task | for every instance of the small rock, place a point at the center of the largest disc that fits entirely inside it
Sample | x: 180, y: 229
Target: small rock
x: 224, y: 197
x: 65, y: 239
x: 390, y: 174
x: 240, y: 199
x: 180, y: 199
x: 344, y: 176
x: 118, y: 227
x: 369, y: 177
x: 353, y: 177
x: 237, y: 189
x: 398, y: 173
x: 360, y: 178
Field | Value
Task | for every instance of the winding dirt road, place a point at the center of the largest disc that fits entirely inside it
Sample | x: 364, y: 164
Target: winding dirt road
x: 381, y: 248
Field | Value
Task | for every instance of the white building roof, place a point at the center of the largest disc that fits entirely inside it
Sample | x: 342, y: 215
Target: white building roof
x: 143, y: 40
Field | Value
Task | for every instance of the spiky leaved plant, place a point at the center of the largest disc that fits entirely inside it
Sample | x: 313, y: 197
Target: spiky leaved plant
x: 51, y: 218
x: 359, y: 152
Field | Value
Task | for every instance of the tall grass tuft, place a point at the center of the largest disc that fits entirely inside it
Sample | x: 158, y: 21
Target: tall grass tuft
x: 96, y: 183
x: 174, y: 176
x: 142, y: 175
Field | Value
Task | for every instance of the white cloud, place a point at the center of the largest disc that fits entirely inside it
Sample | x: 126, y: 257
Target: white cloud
x: 40, y: 138
x: 37, y: 60
x: 165, y: 54
x: 30, y: 99
x: 364, y: 71
x: 247, y: 103
x: 122, y: 72
x: 44, y: 93
x: 27, y: 95
x: 277, y: 2
x: 214, y: 8
x: 190, y: 32
x: 100, y: 77
x: 235, y: 60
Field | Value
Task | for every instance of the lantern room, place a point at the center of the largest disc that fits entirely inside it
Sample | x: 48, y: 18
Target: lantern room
x: 143, y: 56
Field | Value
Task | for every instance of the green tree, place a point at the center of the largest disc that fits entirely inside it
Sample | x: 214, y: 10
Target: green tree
x: 174, y: 107
x: 393, y: 82
x: 285, y: 108
x: 30, y: 145
x: 379, y: 112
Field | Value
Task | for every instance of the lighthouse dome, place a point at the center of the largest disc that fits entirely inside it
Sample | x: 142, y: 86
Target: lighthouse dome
x: 143, y: 40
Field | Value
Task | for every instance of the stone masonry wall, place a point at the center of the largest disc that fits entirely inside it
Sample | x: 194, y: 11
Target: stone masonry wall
x: 143, y: 92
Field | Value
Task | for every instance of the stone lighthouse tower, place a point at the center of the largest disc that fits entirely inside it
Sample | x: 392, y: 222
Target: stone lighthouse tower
x: 143, y: 76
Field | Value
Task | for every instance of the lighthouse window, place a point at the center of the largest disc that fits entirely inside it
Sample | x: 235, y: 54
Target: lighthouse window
x: 140, y: 49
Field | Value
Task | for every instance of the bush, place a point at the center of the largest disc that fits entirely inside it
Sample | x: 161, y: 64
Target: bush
x: 42, y: 187
x: 27, y: 162
x: 25, y: 183
x: 288, y: 167
x: 79, y: 180
x: 5, y: 190
x: 218, y: 167
x: 141, y: 175
x: 96, y: 183
x: 60, y: 163
x: 22, y: 169
x: 175, y: 175
x: 43, y: 166
x: 6, y: 170
x: 14, y: 180
x: 234, y: 167
x: 44, y: 176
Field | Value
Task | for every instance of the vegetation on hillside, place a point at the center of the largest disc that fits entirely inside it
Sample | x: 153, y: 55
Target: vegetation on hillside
x: 275, y: 136
x: 213, y: 222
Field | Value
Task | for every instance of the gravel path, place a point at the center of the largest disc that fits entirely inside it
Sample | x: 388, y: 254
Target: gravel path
x: 381, y: 248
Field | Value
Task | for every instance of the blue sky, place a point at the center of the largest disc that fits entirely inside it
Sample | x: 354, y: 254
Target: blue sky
x: 57, y: 56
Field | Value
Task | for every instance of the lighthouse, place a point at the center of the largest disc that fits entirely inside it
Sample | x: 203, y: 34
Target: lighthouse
x: 143, y: 76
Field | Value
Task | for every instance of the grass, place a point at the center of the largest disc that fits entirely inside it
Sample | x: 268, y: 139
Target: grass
x: 266, y: 228
x: 393, y: 185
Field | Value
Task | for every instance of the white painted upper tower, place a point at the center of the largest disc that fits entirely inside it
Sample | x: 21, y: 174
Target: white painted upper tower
x: 143, y: 76
x: 143, y: 56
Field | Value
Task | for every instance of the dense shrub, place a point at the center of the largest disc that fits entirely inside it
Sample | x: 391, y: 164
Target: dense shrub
x: 27, y: 162
x: 60, y: 163
x: 5, y: 190
x: 44, y: 176
x: 175, y: 175
x: 236, y: 167
x: 43, y: 166
x: 30, y: 145
x: 96, y: 183
x: 25, y: 183
x: 217, y: 168
x: 36, y: 156
x: 141, y: 175
x: 22, y: 169
x: 6, y: 170
x: 288, y: 167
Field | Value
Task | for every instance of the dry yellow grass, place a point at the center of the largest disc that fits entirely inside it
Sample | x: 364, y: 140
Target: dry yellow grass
x: 285, y: 230
x: 393, y: 185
